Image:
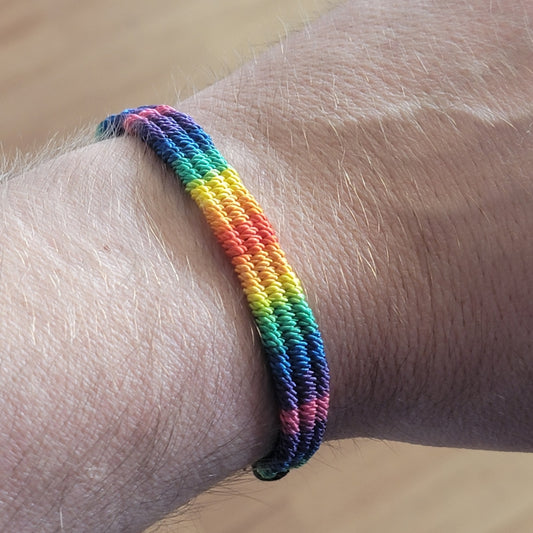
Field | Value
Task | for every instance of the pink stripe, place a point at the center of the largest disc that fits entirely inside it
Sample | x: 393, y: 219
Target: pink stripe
x: 129, y: 121
x: 289, y: 422
x: 322, y: 407
x: 305, y: 416
x: 308, y: 414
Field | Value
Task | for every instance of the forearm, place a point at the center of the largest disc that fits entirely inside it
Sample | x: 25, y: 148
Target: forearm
x: 377, y: 144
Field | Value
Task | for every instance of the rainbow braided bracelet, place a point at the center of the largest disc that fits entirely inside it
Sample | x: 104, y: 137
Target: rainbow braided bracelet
x: 290, y: 337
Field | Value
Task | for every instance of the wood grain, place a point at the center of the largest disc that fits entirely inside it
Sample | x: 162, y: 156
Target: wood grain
x: 374, y: 487
x: 66, y: 64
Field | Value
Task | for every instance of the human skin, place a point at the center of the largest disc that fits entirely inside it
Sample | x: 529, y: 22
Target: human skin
x: 390, y: 144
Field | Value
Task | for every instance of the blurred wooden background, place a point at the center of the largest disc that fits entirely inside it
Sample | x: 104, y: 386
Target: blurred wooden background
x: 65, y: 64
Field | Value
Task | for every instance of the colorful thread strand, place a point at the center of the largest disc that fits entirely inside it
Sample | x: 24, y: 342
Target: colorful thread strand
x: 290, y: 336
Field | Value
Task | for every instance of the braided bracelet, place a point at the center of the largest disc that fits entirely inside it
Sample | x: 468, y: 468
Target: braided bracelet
x: 291, y: 341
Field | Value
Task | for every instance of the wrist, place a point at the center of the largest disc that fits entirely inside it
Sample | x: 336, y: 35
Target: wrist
x: 289, y: 204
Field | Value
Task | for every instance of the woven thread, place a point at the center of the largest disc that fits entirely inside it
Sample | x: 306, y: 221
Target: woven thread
x: 291, y: 340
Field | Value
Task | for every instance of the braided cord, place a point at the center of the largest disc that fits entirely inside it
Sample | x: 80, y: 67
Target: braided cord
x: 292, y: 344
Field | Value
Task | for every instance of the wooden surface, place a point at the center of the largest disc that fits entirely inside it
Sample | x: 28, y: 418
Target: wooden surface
x: 66, y: 64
